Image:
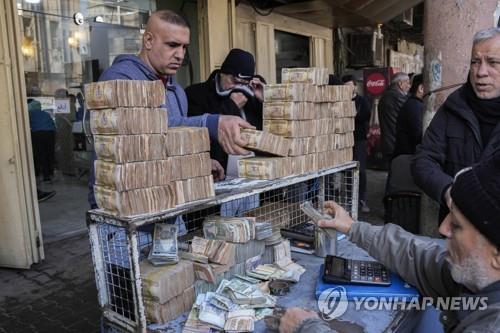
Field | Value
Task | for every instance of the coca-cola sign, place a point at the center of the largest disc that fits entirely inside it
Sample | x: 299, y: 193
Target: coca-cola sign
x: 375, y: 83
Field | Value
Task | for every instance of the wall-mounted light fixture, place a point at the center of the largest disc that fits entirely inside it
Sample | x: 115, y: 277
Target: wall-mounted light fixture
x: 27, y: 47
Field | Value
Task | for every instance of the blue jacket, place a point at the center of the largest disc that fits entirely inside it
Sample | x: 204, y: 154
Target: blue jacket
x: 131, y: 67
x: 39, y: 119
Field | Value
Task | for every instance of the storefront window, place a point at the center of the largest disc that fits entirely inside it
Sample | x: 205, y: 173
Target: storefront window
x: 292, y: 50
x: 62, y: 53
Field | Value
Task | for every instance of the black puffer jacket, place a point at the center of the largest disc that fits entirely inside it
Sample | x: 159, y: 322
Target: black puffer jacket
x: 203, y: 98
x: 388, y: 109
x: 451, y: 142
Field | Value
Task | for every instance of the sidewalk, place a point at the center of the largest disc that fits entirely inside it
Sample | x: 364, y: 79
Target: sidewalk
x: 59, y: 295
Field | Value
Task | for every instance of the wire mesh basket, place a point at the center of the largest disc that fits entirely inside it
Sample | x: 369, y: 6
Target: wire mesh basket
x: 120, y: 244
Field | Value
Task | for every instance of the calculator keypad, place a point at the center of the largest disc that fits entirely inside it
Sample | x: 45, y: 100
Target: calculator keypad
x: 367, y: 272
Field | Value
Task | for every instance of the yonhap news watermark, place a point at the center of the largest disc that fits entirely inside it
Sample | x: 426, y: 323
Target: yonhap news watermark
x: 333, y: 303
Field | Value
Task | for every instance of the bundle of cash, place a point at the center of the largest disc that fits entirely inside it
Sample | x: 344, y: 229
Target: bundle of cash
x: 282, y: 250
x: 313, y: 75
x: 266, y: 272
x: 322, y: 143
x: 242, y: 292
x: 298, y: 164
x: 162, y: 283
x: 129, y: 121
x: 347, y: 109
x: 201, y: 258
x: 134, y: 202
x: 231, y: 229
x: 190, y: 166
x: 248, y: 250
x: 130, y: 148
x: 289, y: 110
x: 275, y: 237
x: 264, y: 167
x: 291, y: 128
x: 127, y: 93
x: 324, y: 126
x: 315, y: 215
x: 344, y: 140
x: 302, y: 146
x: 292, y: 270
x: 290, y: 92
x: 217, y: 251
x: 204, y: 272
x: 263, y: 230
x: 240, y: 321
x: 193, y: 323
x: 163, y: 313
x: 343, y: 125
x: 187, y: 140
x: 164, y: 248
x: 211, y: 314
x: 335, y: 93
x: 327, y: 109
x: 134, y: 175
x: 265, y: 142
x: 311, y: 162
x: 193, y: 189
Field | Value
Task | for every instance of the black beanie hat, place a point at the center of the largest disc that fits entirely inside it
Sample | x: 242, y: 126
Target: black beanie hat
x: 239, y: 63
x: 476, y: 192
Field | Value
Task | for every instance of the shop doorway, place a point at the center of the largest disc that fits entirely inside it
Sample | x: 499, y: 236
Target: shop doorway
x: 61, y: 54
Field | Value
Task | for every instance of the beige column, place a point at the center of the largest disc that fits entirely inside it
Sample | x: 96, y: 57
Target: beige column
x: 20, y: 233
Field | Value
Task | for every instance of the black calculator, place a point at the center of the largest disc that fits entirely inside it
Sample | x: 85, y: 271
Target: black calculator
x: 348, y: 271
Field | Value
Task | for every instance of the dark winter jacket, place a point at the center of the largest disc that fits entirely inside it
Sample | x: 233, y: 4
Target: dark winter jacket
x: 362, y: 120
x: 203, y: 99
x: 409, y: 127
x: 451, y: 142
x: 131, y: 67
x: 388, y: 109
x: 421, y: 262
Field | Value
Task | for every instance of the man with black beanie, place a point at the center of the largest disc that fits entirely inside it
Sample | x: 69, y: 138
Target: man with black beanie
x: 467, y: 269
x: 233, y: 90
x: 466, y: 129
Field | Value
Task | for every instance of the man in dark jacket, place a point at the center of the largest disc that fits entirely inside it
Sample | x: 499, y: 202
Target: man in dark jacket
x: 466, y: 128
x: 467, y: 269
x: 409, y: 124
x: 232, y: 90
x: 388, y: 109
x: 363, y: 113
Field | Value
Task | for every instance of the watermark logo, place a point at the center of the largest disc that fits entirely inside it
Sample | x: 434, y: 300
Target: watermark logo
x: 332, y: 303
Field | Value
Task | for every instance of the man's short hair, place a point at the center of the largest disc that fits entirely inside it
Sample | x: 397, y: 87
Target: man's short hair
x: 173, y: 18
x: 398, y: 77
x: 418, y: 79
x: 485, y: 34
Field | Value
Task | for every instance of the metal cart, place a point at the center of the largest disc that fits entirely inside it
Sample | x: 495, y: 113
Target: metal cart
x: 119, y: 244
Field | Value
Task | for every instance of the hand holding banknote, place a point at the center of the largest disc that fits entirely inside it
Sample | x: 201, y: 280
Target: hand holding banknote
x: 341, y: 221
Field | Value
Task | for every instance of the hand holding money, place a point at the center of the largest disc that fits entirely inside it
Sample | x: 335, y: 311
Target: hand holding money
x: 229, y: 134
x: 341, y: 221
